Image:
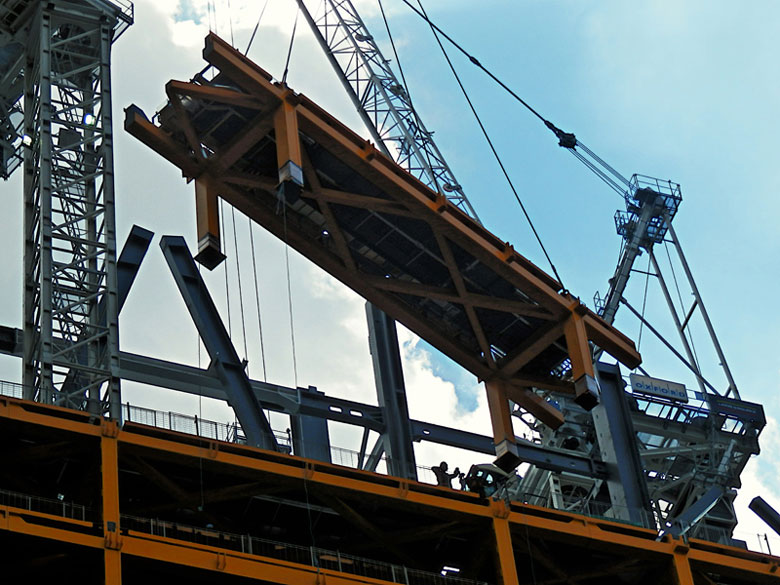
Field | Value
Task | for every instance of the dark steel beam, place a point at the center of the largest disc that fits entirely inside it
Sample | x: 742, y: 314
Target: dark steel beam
x: 192, y: 380
x: 692, y: 514
x: 618, y: 444
x: 127, y: 267
x: 391, y: 393
x: 129, y: 261
x: 766, y: 512
x: 310, y: 433
x: 528, y: 452
x: 217, y: 341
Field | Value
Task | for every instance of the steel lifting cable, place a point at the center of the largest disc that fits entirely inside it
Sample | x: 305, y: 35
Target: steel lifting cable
x: 211, y: 10
x: 289, y: 50
x: 257, y: 26
x: 257, y: 296
x: 424, y: 16
x: 682, y: 305
x: 436, y: 31
x: 644, y: 304
x: 200, y: 413
x: 567, y: 140
x: 281, y: 203
x: 227, y: 284
x: 240, y: 288
x: 230, y: 22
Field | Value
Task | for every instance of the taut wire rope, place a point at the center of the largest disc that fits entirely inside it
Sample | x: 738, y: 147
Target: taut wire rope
x: 289, y: 50
x: 240, y: 288
x: 257, y: 26
x: 435, y: 30
x: 257, y: 296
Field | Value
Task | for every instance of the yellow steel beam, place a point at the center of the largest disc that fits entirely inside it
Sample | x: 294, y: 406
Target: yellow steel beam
x: 557, y: 527
x: 35, y: 413
x: 288, y: 142
x: 52, y: 527
x: 235, y: 563
x: 109, y: 464
x: 682, y: 568
x: 507, y: 569
x: 207, y: 219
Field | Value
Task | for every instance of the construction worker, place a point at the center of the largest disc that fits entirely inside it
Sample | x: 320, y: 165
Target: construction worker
x: 442, y: 477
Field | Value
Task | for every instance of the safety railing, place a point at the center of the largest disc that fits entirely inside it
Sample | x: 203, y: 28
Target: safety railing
x: 11, y: 389
x: 192, y: 425
x: 592, y: 509
x: 304, y: 555
x: 45, y: 505
x: 231, y: 432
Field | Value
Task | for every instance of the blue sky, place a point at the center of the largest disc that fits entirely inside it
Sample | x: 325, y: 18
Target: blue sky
x: 685, y: 91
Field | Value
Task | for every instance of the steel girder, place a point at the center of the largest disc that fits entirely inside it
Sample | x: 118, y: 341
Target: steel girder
x: 205, y: 383
x: 391, y: 393
x: 467, y: 293
x: 552, y: 540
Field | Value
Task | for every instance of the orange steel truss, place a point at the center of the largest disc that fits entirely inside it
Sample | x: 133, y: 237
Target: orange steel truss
x: 330, y: 194
x: 136, y: 482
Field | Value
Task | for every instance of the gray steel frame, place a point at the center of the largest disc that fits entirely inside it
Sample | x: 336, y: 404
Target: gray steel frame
x: 381, y: 100
x: 391, y: 393
x: 71, y: 349
x: 215, y: 338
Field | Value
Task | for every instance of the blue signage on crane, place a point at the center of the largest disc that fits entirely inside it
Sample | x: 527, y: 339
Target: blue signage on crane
x: 658, y: 387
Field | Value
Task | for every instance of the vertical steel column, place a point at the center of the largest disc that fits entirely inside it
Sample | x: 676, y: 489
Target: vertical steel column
x: 682, y: 567
x: 109, y: 473
x: 391, y: 393
x: 617, y: 442
x: 310, y: 434
x: 507, y: 567
x: 70, y: 246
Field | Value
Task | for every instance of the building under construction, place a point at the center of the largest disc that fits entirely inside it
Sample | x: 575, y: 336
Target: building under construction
x: 616, y: 486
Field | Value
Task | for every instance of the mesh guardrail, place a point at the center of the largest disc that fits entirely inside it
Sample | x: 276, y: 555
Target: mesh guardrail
x: 45, y: 505
x: 11, y: 389
x: 304, y: 555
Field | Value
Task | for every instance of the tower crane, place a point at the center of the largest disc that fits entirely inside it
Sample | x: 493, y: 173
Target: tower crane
x: 650, y: 206
x: 382, y: 101
x: 385, y: 106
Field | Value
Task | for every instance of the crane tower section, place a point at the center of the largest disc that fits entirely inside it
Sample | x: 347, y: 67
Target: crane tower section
x: 381, y: 100
x: 57, y: 78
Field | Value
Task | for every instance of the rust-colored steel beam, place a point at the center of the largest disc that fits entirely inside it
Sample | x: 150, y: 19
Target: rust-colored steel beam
x: 378, y: 229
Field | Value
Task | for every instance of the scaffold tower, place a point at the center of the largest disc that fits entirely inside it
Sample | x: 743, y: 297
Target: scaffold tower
x: 62, y: 52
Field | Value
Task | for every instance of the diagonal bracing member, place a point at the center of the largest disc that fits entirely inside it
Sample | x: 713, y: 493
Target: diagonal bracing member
x: 218, y: 344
